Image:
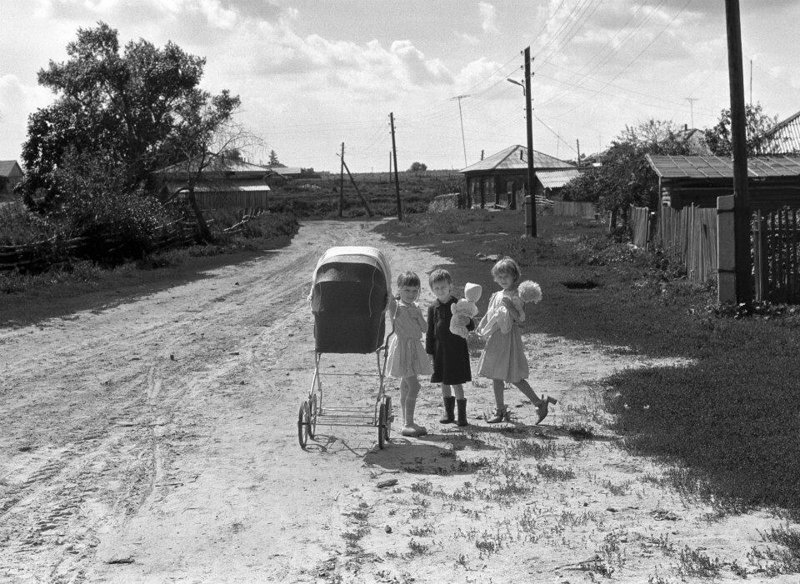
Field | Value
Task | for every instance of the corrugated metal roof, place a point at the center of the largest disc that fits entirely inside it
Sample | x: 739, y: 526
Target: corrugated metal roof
x: 516, y: 158
x: 221, y: 186
x: 554, y: 179
x: 783, y: 137
x: 214, y: 165
x: 721, y: 167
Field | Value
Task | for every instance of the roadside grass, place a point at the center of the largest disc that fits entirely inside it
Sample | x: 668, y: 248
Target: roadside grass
x: 78, y: 284
x: 727, y: 422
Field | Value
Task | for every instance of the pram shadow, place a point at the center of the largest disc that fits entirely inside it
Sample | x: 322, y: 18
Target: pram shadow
x: 431, y: 454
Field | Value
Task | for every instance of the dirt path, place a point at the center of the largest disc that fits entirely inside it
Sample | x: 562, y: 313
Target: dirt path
x: 156, y: 442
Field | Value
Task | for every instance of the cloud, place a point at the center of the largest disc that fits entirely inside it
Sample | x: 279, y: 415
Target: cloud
x: 17, y: 100
x: 469, y: 39
x: 488, y: 17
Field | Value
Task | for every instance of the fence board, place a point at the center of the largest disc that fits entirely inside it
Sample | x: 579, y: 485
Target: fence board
x: 690, y: 235
x: 579, y: 209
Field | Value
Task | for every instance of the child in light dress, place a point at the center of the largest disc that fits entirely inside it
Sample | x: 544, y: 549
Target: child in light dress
x: 503, y: 360
x: 406, y: 357
x: 449, y: 351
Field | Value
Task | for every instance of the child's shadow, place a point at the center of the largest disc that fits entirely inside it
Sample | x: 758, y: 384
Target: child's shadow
x: 431, y: 454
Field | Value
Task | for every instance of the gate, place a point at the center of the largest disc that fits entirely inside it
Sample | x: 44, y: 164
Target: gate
x: 776, y: 239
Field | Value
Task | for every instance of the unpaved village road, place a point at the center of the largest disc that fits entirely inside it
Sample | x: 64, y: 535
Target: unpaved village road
x: 155, y: 441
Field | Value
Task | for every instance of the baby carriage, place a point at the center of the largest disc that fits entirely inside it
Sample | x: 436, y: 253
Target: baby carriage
x: 350, y: 292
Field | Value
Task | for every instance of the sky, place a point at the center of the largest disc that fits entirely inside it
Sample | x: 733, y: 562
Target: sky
x: 313, y: 74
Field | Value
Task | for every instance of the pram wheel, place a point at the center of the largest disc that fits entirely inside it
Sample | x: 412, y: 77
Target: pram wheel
x: 312, y: 416
x: 384, y: 421
x: 303, y: 424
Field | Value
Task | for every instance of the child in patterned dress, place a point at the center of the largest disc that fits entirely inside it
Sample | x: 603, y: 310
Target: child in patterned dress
x: 406, y: 358
x: 503, y: 360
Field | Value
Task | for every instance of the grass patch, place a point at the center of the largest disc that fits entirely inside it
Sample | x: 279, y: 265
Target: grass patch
x: 782, y: 560
x: 728, y: 417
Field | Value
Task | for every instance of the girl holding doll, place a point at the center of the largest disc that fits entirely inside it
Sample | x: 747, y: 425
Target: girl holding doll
x: 503, y: 360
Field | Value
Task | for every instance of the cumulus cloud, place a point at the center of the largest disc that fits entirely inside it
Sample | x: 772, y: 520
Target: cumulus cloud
x: 488, y: 17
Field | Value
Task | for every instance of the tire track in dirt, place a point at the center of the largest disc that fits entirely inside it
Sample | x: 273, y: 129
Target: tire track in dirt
x: 115, y: 457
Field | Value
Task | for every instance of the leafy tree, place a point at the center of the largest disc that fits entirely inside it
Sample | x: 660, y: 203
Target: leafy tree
x: 757, y: 122
x: 139, y: 109
x: 418, y: 167
x: 273, y: 160
x: 625, y: 177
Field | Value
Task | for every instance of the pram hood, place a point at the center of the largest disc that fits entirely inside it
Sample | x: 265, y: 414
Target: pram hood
x: 349, y: 295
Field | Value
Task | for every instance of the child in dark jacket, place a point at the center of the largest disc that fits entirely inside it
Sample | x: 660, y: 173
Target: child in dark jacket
x: 449, y: 351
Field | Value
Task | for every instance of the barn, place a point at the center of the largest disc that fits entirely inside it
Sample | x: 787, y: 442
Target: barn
x: 502, y: 178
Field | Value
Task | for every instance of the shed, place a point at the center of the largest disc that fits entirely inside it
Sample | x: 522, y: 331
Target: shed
x: 222, y: 183
x: 773, y: 181
x: 502, y: 177
x: 10, y: 175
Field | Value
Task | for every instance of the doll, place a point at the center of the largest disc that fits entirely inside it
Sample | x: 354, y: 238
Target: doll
x: 465, y: 309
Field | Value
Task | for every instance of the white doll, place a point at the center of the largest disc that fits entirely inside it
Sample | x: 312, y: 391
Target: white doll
x: 465, y: 309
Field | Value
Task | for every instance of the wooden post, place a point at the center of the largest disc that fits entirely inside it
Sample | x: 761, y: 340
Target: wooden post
x: 358, y: 192
x: 529, y: 128
x: 396, y: 179
x: 761, y: 268
x: 341, y: 183
x: 744, y: 281
x: 726, y: 250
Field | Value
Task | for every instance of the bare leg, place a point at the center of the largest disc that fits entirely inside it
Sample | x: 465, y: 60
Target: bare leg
x: 403, y: 398
x: 458, y: 390
x: 526, y: 389
x: 412, y: 385
x: 446, y: 391
x: 498, y: 385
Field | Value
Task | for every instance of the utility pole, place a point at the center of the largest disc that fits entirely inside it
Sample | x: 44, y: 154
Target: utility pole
x: 578, y: 146
x: 751, y: 82
x: 463, y: 142
x: 691, y: 101
x: 531, y: 220
x: 741, y: 199
x: 396, y: 180
x: 341, y: 183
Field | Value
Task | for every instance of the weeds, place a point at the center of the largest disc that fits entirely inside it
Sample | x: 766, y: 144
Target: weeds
x: 528, y: 448
x: 783, y: 560
x: 416, y: 548
x: 695, y: 563
x: 551, y: 473
x: 422, y: 531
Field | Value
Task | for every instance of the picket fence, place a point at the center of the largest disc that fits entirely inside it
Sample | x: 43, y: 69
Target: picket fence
x: 578, y: 209
x: 42, y: 254
x: 776, y: 239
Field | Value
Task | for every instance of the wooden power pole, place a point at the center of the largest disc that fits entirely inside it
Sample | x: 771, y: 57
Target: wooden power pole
x: 741, y: 200
x: 396, y: 180
x: 341, y: 183
x: 531, y: 220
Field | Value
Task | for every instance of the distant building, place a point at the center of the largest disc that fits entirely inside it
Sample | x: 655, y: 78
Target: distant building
x: 502, y: 178
x: 695, y: 141
x: 221, y: 183
x: 10, y: 175
x: 773, y: 181
x: 783, y: 137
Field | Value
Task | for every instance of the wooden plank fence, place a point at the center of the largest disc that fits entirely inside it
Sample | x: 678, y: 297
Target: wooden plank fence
x: 42, y: 254
x: 579, y: 209
x: 776, y: 239
x: 689, y: 234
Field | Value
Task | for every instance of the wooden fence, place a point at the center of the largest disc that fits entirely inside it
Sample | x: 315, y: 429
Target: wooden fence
x: 232, y: 199
x: 575, y: 209
x: 42, y: 254
x: 690, y: 234
x: 776, y: 239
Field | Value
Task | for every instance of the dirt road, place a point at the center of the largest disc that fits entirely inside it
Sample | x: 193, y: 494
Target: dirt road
x: 155, y: 441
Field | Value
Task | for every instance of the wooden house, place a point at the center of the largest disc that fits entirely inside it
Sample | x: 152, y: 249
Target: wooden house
x: 783, y: 137
x: 10, y: 175
x: 502, y: 178
x: 774, y: 181
x: 220, y: 184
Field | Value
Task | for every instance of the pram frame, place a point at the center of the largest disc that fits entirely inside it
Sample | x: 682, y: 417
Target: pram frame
x: 379, y: 415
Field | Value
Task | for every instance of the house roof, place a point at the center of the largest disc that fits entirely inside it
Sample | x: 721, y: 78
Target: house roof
x: 285, y: 170
x: 7, y: 167
x: 247, y: 186
x: 783, y: 136
x: 722, y: 167
x: 554, y: 179
x: 215, y: 165
x: 516, y: 158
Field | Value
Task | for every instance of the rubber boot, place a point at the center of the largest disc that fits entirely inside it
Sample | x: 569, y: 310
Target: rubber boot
x: 449, y: 410
x: 462, y: 411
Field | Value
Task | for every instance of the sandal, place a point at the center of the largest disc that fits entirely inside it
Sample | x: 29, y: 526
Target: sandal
x: 500, y: 415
